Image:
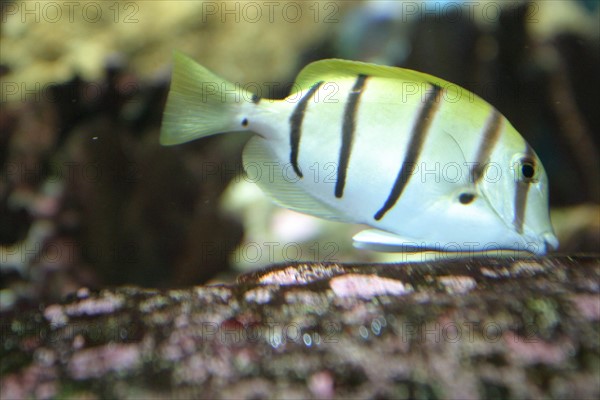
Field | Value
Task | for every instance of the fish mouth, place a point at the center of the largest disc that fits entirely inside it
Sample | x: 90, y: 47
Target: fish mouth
x: 536, y: 244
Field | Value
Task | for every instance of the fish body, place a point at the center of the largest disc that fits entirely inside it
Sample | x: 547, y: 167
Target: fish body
x: 423, y: 162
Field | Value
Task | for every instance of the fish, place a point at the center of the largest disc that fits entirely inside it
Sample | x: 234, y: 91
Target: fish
x: 422, y: 162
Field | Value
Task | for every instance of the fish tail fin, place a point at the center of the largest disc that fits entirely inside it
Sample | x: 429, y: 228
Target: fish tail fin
x: 199, y: 103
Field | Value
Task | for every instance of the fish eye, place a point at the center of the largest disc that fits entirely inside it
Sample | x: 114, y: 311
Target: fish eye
x: 527, y: 169
x: 466, y: 198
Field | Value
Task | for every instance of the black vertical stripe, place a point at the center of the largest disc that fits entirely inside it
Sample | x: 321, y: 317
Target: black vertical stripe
x: 521, y: 192
x: 348, y: 126
x: 490, y: 137
x: 296, y: 126
x: 415, y: 146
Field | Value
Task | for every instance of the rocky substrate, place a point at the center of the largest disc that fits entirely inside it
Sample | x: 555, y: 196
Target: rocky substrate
x: 487, y: 328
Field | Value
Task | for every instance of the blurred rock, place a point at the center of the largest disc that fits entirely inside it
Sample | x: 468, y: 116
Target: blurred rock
x: 485, y: 329
x: 49, y: 43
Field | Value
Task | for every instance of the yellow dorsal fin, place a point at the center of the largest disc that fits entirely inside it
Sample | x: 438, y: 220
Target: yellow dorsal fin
x: 330, y: 70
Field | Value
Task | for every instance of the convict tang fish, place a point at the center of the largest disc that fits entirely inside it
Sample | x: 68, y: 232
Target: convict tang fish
x: 423, y: 162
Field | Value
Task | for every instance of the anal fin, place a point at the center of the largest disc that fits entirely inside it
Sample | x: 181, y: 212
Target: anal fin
x: 281, y: 184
